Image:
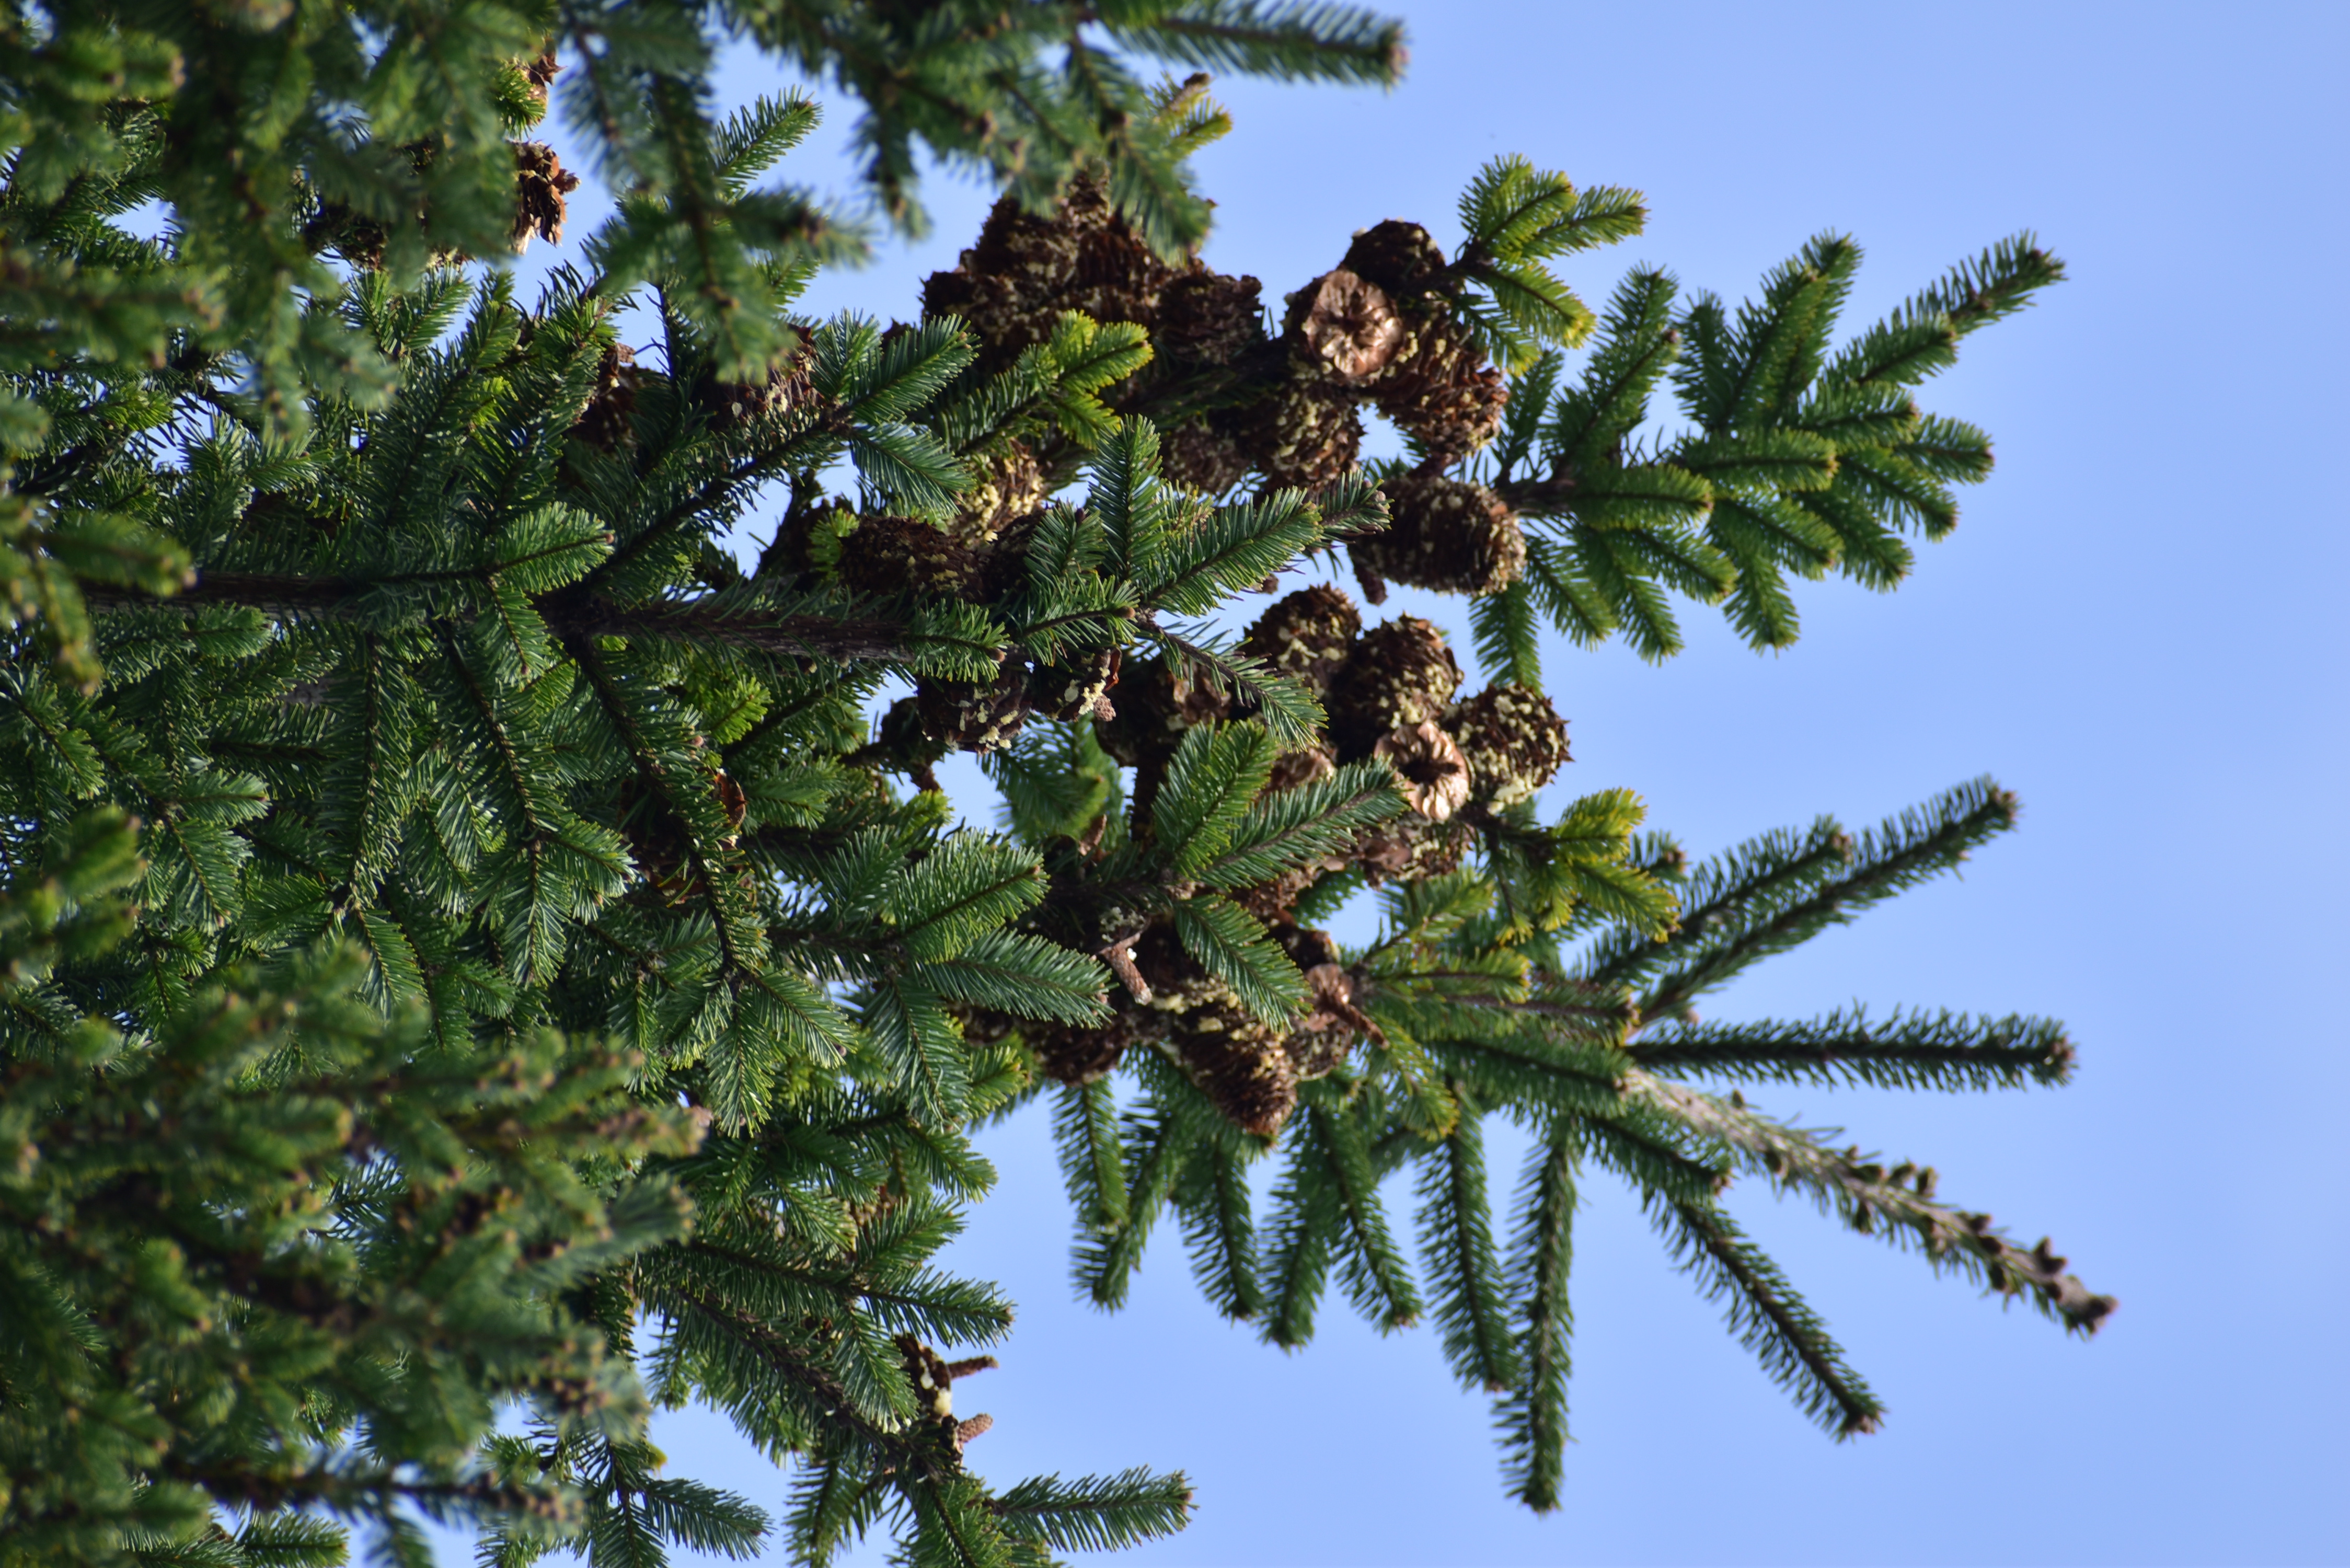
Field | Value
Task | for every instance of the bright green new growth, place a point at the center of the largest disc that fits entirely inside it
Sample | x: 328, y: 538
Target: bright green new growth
x: 461, y: 949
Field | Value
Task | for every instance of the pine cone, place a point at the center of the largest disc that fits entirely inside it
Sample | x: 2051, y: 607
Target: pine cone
x: 1446, y: 535
x: 1440, y: 390
x: 1077, y: 689
x: 358, y: 240
x: 1514, y: 742
x: 731, y: 403
x: 1401, y: 259
x: 1207, y: 318
x: 604, y: 423
x: 1303, y: 433
x: 1275, y: 902
x: 1399, y: 674
x: 1154, y: 709
x: 1306, y: 635
x: 1325, y: 1035
x: 1432, y: 771
x: 1410, y: 847
x: 1010, y: 486
x: 1238, y: 1064
x: 1223, y: 1047
x: 892, y: 554
x: 1070, y: 1053
x: 1345, y: 327
x: 541, y: 184
x: 970, y: 716
x: 1205, y: 455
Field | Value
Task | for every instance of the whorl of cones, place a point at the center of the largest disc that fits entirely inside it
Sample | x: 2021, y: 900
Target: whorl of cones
x: 1445, y: 534
x: 1398, y: 674
x: 1513, y: 741
x: 1012, y: 286
x: 1380, y: 325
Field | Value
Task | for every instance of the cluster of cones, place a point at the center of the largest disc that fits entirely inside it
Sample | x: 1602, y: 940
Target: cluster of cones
x: 1236, y: 400
x: 1392, y: 694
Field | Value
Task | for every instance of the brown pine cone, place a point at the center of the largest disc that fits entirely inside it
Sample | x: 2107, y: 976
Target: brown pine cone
x: 1154, y: 709
x: 970, y: 716
x: 605, y: 422
x: 1079, y: 687
x: 1303, y: 433
x: 1323, y: 1037
x: 1076, y: 1054
x: 1205, y: 455
x: 1238, y: 1064
x: 1344, y: 327
x: 1514, y: 742
x: 1446, y: 535
x: 1440, y: 390
x: 1306, y: 635
x: 541, y: 184
x: 1010, y: 486
x: 1207, y: 318
x: 1410, y: 847
x: 893, y: 555
x: 1399, y: 674
x: 1429, y: 766
x: 1400, y: 258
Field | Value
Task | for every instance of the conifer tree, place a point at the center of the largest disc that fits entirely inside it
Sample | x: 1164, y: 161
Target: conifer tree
x: 467, y: 950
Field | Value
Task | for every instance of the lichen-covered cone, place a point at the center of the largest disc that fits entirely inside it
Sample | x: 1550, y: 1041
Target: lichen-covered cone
x: 1398, y: 674
x: 1073, y: 1054
x: 1303, y: 433
x: 731, y: 403
x: 1324, y: 1038
x: 1008, y: 485
x: 893, y: 555
x: 972, y: 716
x: 1514, y: 742
x: 1209, y: 456
x: 1446, y: 535
x: 1306, y: 635
x: 1207, y: 318
x: 1440, y: 390
x: 1078, y: 687
x: 1238, y: 1064
x: 1410, y: 847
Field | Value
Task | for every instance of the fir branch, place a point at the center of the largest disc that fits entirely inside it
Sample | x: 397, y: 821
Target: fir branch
x: 1766, y: 1315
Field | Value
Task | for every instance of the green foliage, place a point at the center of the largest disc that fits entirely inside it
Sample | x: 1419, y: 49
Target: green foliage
x: 463, y: 951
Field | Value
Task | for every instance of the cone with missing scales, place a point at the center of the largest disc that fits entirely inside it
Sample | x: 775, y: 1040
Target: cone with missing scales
x: 541, y: 185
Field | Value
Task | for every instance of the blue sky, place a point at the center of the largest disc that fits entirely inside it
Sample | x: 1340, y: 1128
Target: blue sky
x: 2135, y: 626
